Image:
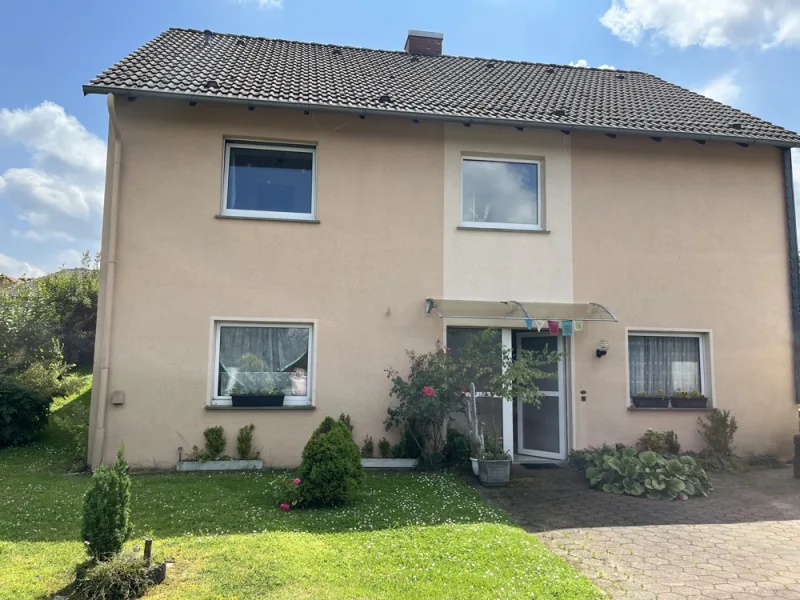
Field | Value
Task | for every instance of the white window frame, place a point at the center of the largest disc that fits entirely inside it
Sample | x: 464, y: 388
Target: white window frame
x: 704, y: 337
x: 268, y: 214
x: 516, y: 226
x: 219, y: 323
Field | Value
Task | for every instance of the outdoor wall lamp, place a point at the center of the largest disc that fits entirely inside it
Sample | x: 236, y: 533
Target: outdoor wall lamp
x: 602, y: 348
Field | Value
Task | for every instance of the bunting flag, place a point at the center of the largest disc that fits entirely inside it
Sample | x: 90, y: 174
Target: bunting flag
x: 566, y: 327
x: 540, y: 324
x: 529, y: 324
x: 553, y: 327
x: 577, y: 325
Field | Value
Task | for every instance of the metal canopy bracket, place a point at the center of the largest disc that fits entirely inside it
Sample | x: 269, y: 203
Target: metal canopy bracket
x: 512, y: 310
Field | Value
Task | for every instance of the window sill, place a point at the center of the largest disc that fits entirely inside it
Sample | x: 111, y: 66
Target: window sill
x: 278, y: 219
x: 669, y: 409
x: 221, y: 407
x: 504, y: 229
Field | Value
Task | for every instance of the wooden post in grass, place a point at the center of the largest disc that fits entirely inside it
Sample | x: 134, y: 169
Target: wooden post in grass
x: 148, y: 550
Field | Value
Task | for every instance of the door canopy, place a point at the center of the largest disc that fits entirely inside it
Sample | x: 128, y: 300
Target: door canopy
x: 512, y: 312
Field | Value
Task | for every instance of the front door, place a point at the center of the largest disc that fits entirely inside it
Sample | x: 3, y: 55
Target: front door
x: 542, y: 431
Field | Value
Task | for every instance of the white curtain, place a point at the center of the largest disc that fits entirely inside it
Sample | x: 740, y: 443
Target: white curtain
x: 664, y: 363
x: 261, y: 357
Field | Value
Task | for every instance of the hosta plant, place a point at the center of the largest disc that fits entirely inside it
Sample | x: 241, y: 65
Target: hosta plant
x: 626, y: 471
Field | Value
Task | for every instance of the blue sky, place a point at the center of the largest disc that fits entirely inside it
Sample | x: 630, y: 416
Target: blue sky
x: 52, y: 139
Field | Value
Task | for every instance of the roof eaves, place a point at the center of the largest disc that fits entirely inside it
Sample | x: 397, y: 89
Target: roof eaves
x: 792, y: 141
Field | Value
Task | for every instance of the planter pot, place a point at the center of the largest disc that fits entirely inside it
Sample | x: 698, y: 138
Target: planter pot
x: 494, y: 473
x: 650, y: 402
x: 220, y: 465
x: 257, y: 400
x: 474, y: 462
x: 689, y: 402
x: 389, y: 464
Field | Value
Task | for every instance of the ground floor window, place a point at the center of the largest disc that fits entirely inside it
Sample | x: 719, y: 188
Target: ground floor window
x: 666, y: 364
x: 253, y: 358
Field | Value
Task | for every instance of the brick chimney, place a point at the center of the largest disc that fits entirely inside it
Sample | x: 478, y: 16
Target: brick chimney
x: 424, y: 42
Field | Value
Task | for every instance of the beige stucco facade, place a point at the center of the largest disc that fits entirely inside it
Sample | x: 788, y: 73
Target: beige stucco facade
x: 671, y: 235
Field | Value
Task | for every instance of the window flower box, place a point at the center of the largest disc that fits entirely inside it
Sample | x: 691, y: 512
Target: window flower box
x: 389, y: 464
x: 650, y: 401
x: 220, y: 465
x: 257, y: 400
x: 690, y: 402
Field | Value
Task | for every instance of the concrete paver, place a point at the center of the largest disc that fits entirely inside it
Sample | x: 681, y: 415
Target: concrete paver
x: 742, y: 542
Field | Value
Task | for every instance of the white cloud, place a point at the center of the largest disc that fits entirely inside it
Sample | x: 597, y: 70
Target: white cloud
x: 48, y: 131
x: 17, y: 268
x: 70, y: 259
x: 263, y: 3
x: 707, y: 23
x: 722, y: 89
x: 60, y: 196
x: 584, y: 64
x: 34, y: 236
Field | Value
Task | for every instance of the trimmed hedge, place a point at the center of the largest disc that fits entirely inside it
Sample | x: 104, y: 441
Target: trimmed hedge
x: 331, y: 471
x: 23, y: 413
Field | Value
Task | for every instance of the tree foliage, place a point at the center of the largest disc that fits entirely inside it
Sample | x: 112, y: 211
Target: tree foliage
x: 47, y: 325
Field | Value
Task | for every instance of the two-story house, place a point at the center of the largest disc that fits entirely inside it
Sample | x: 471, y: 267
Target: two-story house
x: 301, y: 214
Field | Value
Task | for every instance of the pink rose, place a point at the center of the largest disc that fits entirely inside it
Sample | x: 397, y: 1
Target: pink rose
x: 285, y: 506
x: 428, y: 391
x: 296, y: 481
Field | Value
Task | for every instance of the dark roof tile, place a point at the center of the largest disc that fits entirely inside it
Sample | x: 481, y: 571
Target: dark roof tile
x: 179, y: 61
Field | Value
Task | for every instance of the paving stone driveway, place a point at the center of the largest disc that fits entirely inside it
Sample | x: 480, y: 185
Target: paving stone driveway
x: 741, y: 542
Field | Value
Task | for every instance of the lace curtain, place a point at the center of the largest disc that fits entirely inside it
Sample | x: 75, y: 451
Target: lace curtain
x: 261, y: 357
x: 663, y: 363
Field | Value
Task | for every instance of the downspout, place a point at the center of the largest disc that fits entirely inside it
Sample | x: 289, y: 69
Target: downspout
x: 110, y: 258
x: 794, y: 267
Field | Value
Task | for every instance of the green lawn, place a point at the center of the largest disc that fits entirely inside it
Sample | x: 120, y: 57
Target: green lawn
x: 408, y: 536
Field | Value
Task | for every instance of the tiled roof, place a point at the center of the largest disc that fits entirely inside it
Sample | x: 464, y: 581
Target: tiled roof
x: 275, y: 72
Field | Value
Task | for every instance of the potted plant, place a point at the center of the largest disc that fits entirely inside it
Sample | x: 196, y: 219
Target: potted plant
x: 508, y: 377
x: 494, y: 465
x: 256, y: 396
x: 688, y: 399
x: 213, y: 458
x: 645, y: 400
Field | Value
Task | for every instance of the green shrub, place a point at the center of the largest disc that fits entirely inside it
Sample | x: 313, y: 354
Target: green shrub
x: 215, y: 442
x: 345, y: 420
x: 23, y: 413
x: 765, y: 461
x: 384, y: 448
x: 368, y: 447
x: 660, y: 442
x: 457, y: 449
x: 122, y: 577
x: 717, y: 429
x: 244, y: 443
x: 627, y: 471
x: 331, y: 471
x: 106, y: 510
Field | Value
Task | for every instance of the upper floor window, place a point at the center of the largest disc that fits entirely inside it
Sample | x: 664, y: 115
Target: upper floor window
x: 501, y: 194
x: 269, y: 181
